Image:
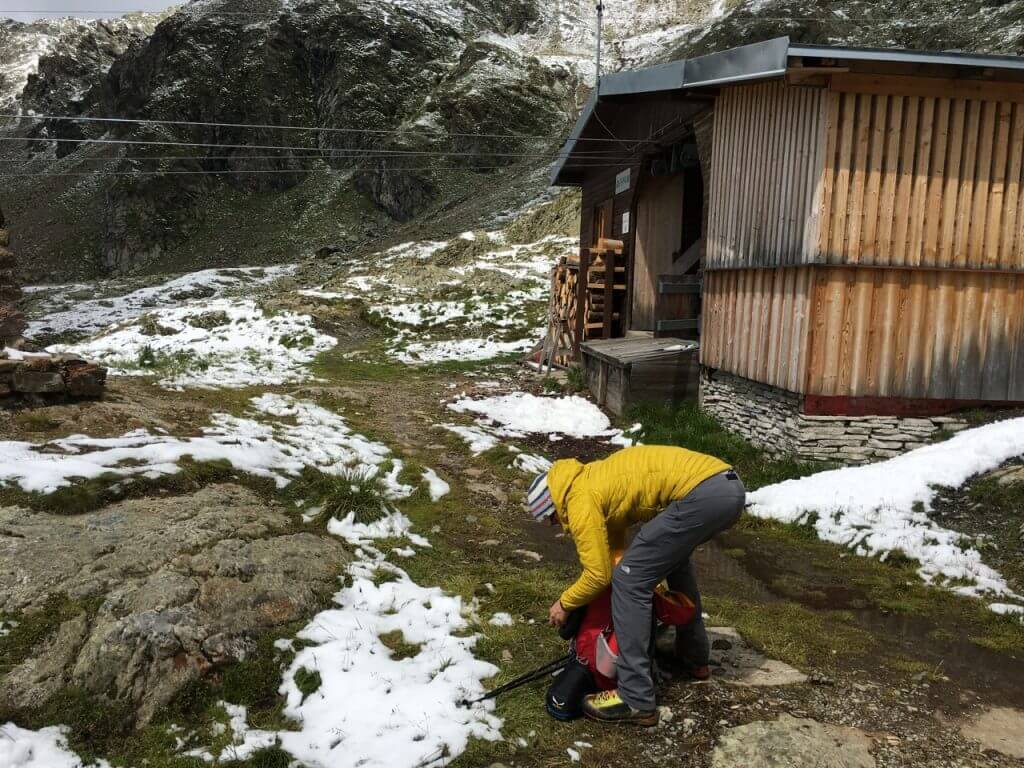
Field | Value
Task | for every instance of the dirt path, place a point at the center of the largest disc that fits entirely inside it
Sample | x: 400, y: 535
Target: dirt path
x: 902, y: 683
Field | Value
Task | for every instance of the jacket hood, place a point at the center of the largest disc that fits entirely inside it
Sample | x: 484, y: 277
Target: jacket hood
x: 560, y: 479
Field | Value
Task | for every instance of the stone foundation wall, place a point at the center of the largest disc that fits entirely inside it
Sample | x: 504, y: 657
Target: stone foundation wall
x: 771, y: 418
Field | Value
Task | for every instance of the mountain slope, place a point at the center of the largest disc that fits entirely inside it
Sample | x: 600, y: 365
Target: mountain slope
x: 455, y: 76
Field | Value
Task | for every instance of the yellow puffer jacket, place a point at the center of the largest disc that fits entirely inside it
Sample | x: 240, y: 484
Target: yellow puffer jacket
x: 598, y: 502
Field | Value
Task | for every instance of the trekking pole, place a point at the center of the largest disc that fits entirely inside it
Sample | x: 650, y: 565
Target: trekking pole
x: 529, y: 677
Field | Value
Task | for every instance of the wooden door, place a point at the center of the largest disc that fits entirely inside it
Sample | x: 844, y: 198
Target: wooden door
x: 659, y: 233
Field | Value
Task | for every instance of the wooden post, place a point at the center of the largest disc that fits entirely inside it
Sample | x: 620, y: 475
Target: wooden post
x: 581, y: 300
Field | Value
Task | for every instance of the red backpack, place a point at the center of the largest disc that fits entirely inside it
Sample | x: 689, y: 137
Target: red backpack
x: 596, y: 650
x: 595, y: 642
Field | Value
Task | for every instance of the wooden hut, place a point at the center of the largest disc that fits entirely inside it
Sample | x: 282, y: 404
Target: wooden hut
x: 849, y: 224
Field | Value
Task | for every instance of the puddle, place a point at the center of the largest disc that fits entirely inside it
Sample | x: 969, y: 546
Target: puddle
x: 998, y: 676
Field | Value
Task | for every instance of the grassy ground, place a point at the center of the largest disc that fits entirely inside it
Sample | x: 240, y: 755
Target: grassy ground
x: 795, y: 598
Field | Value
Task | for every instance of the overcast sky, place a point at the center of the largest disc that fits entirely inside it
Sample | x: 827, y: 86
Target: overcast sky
x: 25, y: 10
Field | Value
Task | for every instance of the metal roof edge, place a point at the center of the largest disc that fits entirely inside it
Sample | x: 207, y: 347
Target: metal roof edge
x: 768, y: 58
x: 909, y: 56
x: 574, y: 134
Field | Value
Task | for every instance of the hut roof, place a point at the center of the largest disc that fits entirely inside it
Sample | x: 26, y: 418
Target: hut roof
x: 766, y: 60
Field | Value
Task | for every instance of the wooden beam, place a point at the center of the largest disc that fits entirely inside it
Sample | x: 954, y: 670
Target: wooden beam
x: 950, y: 88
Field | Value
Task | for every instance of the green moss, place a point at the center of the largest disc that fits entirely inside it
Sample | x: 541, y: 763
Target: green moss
x: 33, y: 628
x: 803, y: 568
x: 790, y: 632
x: 399, y: 646
x: 307, y: 681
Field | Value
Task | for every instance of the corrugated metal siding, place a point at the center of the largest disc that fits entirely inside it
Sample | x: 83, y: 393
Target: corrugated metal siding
x: 923, y: 180
x: 916, y: 334
x: 755, y: 324
x: 766, y: 173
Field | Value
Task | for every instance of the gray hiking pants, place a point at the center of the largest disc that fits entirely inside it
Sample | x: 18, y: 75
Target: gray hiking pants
x: 661, y: 550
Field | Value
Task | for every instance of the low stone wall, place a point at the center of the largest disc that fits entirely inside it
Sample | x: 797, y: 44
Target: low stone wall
x: 772, y: 418
x: 50, y: 378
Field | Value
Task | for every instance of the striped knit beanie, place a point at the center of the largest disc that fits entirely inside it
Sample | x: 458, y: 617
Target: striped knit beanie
x: 538, y: 498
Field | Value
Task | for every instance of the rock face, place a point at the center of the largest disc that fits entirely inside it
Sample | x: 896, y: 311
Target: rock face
x: 177, y: 590
x: 12, y: 323
x: 791, y: 742
x: 474, y: 79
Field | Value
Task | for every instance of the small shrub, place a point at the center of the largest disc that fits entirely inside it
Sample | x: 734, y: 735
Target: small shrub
x: 551, y: 385
x: 352, y: 491
x: 576, y: 380
x: 210, y: 320
x: 147, y: 357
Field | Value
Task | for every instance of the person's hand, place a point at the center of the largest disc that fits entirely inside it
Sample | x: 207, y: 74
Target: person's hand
x: 557, y: 614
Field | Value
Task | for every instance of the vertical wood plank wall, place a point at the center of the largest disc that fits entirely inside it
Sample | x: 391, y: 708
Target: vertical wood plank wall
x: 766, y: 166
x: 755, y: 324
x: 916, y: 334
x: 907, y: 286
x: 923, y: 181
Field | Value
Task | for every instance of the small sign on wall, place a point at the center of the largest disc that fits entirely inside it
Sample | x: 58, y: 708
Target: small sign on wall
x: 621, y: 181
x: 625, y: 222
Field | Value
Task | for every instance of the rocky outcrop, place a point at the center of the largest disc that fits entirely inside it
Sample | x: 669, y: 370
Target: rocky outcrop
x: 167, y: 592
x: 48, y: 378
x: 795, y: 743
x: 12, y: 322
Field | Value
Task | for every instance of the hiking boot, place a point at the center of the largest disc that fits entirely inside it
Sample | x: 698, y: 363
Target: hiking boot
x: 607, y: 707
x: 702, y: 672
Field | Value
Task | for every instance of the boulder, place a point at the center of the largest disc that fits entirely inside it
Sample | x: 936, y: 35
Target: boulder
x: 38, y: 382
x: 1000, y: 729
x: 792, y: 742
x: 178, y: 588
x: 327, y: 250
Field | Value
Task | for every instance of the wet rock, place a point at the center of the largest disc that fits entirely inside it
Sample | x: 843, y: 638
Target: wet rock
x: 1000, y: 729
x: 182, y: 587
x: 742, y: 665
x: 794, y: 743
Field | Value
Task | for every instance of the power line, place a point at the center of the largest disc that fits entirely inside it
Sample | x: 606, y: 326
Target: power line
x: 263, y: 126
x: 272, y: 171
x: 334, y: 153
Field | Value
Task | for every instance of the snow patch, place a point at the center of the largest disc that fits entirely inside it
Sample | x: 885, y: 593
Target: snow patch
x: 520, y: 413
x: 210, y: 344
x: 45, y: 748
x: 882, y: 508
x: 435, y: 485
x: 501, y: 620
x: 63, y: 309
x: 406, y: 713
x: 306, y: 436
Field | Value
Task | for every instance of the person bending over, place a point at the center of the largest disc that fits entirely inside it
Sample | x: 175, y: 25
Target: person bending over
x: 682, y: 499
